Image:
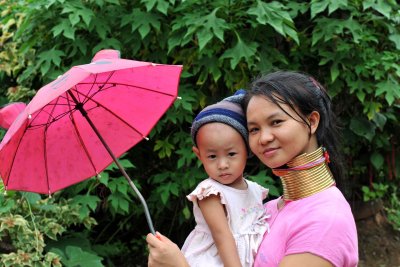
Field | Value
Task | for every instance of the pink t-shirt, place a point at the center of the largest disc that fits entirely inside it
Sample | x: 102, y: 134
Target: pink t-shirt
x: 321, y: 224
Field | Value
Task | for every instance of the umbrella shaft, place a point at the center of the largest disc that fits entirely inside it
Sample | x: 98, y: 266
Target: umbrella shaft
x: 79, y: 107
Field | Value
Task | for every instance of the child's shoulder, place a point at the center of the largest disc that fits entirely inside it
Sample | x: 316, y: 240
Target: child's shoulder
x: 204, y: 189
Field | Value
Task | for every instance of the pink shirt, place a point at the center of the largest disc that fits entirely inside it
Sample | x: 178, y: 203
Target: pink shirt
x: 321, y: 224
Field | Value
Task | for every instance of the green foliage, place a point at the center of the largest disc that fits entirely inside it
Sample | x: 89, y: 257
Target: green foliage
x: 352, y: 47
x: 393, y: 209
x: 378, y: 191
x: 28, y: 222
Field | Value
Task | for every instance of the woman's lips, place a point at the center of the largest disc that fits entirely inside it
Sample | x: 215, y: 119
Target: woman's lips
x: 269, y: 152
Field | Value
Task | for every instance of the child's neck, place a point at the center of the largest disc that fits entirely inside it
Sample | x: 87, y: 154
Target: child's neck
x: 239, y: 183
x: 306, y: 175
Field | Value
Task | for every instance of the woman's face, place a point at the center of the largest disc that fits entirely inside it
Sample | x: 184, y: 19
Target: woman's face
x: 274, y: 136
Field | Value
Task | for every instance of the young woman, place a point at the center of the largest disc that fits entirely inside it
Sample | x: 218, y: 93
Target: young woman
x: 293, y: 131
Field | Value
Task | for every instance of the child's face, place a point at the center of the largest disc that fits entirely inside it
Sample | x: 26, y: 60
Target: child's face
x: 274, y: 136
x: 223, y: 153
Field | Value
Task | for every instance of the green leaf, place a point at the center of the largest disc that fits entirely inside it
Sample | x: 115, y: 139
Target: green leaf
x: 101, y: 27
x: 362, y: 127
x: 163, y: 6
x: 334, y: 72
x: 59, y: 28
x: 377, y: 160
x: 142, y: 21
x: 335, y: 4
x: 274, y: 14
x: 240, y: 51
x: 119, y: 203
x: 390, y: 88
x: 69, y: 33
x: 32, y: 198
x: 164, y: 147
x: 186, y: 213
x: 74, y: 18
x: 318, y: 6
x: 383, y: 7
x: 214, y: 24
x: 380, y: 120
x: 76, y: 257
x: 149, y: 4
x: 395, y: 38
x: 204, y: 36
x: 47, y: 58
x: 87, y: 202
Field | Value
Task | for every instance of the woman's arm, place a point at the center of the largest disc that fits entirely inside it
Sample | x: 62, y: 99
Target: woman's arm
x: 164, y: 253
x: 304, y: 260
x: 214, y: 214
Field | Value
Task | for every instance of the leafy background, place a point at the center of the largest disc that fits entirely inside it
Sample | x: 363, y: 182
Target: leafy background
x: 352, y: 47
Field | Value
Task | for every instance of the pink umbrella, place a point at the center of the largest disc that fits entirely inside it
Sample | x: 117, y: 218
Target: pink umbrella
x: 9, y: 112
x: 77, y: 125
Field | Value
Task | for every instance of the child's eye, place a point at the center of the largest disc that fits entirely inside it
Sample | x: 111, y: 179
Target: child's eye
x: 211, y: 156
x: 231, y: 154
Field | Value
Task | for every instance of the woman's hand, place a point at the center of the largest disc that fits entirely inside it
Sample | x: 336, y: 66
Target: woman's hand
x: 164, y: 252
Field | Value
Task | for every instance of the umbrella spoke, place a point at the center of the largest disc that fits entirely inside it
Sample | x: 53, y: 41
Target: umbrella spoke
x: 132, y: 86
x: 12, y: 161
x: 80, y: 138
x: 115, y: 115
x: 50, y: 120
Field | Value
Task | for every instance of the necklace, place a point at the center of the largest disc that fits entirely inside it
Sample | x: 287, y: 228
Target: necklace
x: 305, y: 175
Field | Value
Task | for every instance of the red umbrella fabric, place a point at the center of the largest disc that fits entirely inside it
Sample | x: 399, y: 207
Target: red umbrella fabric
x: 75, y: 126
x: 9, y: 113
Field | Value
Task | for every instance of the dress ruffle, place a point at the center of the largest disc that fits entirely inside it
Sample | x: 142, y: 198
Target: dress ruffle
x: 205, y: 189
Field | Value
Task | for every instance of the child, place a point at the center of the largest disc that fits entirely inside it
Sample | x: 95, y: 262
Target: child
x: 228, y: 208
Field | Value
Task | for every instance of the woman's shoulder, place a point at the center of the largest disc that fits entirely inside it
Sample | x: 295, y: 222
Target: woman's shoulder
x: 328, y: 209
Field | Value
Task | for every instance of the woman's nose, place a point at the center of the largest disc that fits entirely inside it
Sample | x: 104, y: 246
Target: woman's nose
x: 266, y: 136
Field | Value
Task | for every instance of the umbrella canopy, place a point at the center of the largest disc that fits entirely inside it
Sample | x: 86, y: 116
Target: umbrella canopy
x: 9, y: 113
x: 75, y: 126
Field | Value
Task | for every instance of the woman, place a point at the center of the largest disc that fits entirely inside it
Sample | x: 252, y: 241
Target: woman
x: 293, y: 131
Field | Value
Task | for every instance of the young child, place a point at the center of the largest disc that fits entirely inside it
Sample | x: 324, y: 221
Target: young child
x: 228, y: 209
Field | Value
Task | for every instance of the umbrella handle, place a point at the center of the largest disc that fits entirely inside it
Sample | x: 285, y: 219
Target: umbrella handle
x: 146, y: 209
x: 79, y: 106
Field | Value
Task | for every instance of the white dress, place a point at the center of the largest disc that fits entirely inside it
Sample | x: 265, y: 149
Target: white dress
x: 246, y: 217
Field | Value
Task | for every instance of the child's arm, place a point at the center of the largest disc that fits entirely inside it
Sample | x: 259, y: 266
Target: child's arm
x: 214, y: 214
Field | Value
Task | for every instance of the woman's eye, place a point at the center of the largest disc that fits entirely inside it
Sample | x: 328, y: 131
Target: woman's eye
x: 253, y: 130
x: 277, y: 122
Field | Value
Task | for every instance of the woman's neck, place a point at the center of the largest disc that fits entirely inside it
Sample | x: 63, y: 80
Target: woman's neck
x: 305, y: 175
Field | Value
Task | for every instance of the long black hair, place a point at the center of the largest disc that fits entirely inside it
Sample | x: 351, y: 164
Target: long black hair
x: 303, y: 94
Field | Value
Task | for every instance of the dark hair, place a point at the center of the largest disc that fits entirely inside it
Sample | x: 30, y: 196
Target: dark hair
x: 303, y: 94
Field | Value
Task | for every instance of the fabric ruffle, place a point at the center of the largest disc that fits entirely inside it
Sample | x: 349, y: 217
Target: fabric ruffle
x: 205, y: 189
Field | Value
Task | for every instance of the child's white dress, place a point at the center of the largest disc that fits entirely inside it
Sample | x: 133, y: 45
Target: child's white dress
x: 246, y: 217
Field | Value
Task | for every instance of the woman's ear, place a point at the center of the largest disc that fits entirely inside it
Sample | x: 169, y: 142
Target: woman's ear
x: 196, y: 151
x: 314, y: 118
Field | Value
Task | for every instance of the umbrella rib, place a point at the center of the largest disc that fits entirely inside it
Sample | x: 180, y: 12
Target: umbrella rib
x: 135, y: 86
x: 80, y: 138
x: 13, y: 158
x: 115, y: 115
x: 46, y: 167
x: 101, y: 86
